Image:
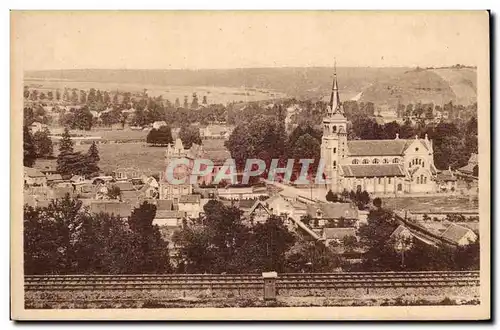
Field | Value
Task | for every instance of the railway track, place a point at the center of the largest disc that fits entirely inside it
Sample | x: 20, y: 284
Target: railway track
x: 250, y: 281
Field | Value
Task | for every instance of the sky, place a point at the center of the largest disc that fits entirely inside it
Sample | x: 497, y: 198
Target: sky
x: 214, y: 40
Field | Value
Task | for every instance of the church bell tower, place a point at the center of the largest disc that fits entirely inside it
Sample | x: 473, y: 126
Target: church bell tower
x: 334, y: 141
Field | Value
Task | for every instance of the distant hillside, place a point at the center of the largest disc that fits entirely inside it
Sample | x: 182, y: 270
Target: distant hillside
x: 296, y: 82
x: 378, y: 85
x: 433, y: 85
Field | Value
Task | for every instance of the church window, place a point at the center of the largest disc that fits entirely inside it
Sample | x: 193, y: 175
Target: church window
x: 423, y: 164
x: 355, y: 161
x: 375, y: 161
x: 425, y: 179
x: 366, y: 161
x: 389, y: 181
x: 334, y: 129
x: 416, y: 149
x: 418, y: 180
x: 334, y: 150
x: 395, y: 160
x: 334, y: 164
x: 379, y: 180
x: 385, y: 161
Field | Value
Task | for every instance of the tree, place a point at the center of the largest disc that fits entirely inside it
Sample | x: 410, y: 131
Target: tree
x: 272, y: 241
x: 93, y: 153
x: 186, y: 104
x: 26, y: 92
x: 189, y: 135
x: 262, y: 138
x: 331, y: 197
x: 34, y: 95
x: 204, y: 100
x: 161, y: 136
x: 194, y: 103
x: 82, y: 119
x: 114, y: 192
x: 350, y: 243
x: 177, y: 103
x: 374, y: 237
x: 312, y: 257
x: 93, y: 158
x: 58, y: 94
x: 50, y: 95
x: 64, y: 238
x: 91, y: 97
x: 66, y: 144
x: 377, y: 202
x: 83, y: 96
x: 74, y: 96
x: 43, y: 144
x: 29, y: 151
x: 153, y: 256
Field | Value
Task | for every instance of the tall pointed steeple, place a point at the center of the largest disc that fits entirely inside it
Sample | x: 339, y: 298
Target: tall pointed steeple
x: 335, y: 105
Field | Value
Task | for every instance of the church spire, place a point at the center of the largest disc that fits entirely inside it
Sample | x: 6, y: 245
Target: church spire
x: 335, y: 105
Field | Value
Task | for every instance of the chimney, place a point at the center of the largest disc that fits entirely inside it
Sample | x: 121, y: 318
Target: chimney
x: 397, y: 136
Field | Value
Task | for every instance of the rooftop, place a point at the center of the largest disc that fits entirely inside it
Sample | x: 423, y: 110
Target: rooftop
x: 333, y: 210
x: 455, y: 233
x: 338, y: 233
x: 375, y: 170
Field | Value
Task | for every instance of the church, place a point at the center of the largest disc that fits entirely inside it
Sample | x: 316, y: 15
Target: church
x: 398, y: 166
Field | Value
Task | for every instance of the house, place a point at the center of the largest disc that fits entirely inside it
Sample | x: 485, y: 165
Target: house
x: 61, y: 192
x: 335, y: 236
x: 446, y: 180
x: 459, y: 235
x: 85, y: 189
x: 216, y: 132
x: 123, y: 174
x: 122, y: 210
x: 158, y: 124
x: 54, y: 178
x: 190, y: 205
x: 279, y: 206
x: 169, y: 218
x: 75, y: 179
x: 101, y: 191
x: 472, y: 166
x: 37, y: 127
x: 128, y: 192
x: 258, y: 213
x: 46, y: 166
x: 333, y: 214
x: 164, y: 205
x: 34, y: 178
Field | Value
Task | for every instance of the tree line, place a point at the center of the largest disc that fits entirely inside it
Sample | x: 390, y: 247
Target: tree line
x: 386, y: 253
x: 70, y: 162
x: 65, y: 238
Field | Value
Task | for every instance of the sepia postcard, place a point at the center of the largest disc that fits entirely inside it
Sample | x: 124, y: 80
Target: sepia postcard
x: 250, y: 165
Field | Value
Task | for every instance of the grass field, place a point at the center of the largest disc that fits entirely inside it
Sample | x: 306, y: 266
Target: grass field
x: 148, y: 160
x: 434, y: 203
x: 107, y: 134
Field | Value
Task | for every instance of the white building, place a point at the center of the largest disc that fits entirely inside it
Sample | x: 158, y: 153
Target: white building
x: 377, y: 166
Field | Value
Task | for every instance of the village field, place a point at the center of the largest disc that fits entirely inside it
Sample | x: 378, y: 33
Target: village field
x: 106, y: 134
x: 432, y: 203
x: 146, y: 159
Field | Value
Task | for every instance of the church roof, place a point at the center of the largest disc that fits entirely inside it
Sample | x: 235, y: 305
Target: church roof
x: 376, y: 170
x: 377, y: 147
